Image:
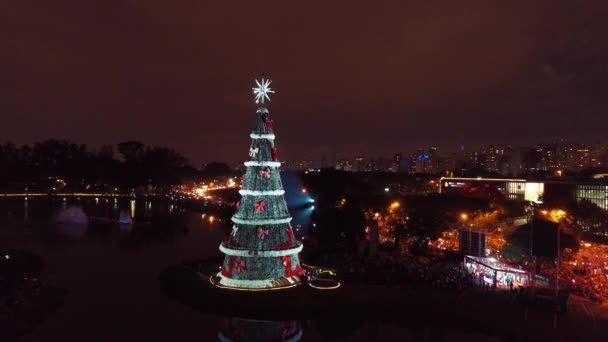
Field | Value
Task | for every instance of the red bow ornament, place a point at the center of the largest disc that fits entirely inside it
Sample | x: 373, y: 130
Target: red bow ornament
x: 268, y: 123
x: 286, y: 261
x: 240, y: 266
x: 227, y: 272
x: 260, y: 206
x: 290, y: 234
x: 275, y: 153
x: 265, y: 173
x: 262, y: 233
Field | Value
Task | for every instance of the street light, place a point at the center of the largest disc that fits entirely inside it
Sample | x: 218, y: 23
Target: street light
x: 464, y: 216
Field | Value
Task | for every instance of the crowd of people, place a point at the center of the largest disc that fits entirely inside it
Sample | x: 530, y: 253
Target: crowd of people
x: 448, y: 275
x: 585, y: 272
x: 393, y: 271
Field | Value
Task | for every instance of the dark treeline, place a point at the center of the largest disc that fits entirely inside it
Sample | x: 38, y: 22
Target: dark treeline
x: 127, y: 165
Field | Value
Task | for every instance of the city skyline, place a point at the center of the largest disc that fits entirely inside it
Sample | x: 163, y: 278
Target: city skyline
x: 559, y: 156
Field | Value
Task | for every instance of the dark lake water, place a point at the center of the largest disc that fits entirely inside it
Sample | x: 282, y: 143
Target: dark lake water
x: 111, y: 272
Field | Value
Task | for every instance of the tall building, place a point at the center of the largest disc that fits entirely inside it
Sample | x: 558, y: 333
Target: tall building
x: 420, y: 161
x: 576, y: 157
x: 360, y: 165
x: 337, y: 161
x: 531, y: 160
x: 434, y: 165
x: 548, y: 157
x: 383, y: 165
x: 515, y: 167
x: 476, y: 160
x: 347, y: 166
x: 397, y: 157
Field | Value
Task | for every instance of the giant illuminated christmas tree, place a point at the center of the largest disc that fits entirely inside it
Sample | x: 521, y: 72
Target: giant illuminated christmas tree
x: 261, y: 251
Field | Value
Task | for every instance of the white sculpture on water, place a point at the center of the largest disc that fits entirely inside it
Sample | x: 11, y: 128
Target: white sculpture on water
x: 125, y: 217
x: 72, y: 214
x: 72, y: 221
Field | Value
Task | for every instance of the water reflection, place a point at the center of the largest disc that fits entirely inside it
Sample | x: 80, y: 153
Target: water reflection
x: 132, y: 207
x: 115, y: 269
x: 147, y: 209
x: 72, y: 230
x: 129, y: 223
x: 111, y: 268
x: 26, y: 210
x: 240, y: 329
x: 161, y: 228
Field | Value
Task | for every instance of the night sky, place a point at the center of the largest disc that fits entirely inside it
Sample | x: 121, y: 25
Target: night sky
x: 357, y: 77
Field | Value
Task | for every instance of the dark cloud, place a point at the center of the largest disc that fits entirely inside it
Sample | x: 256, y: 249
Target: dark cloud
x: 356, y: 77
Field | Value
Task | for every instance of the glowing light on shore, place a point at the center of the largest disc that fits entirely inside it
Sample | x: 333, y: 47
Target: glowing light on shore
x: 220, y: 286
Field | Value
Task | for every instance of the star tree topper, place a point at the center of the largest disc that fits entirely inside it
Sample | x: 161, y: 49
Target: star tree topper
x: 262, y: 90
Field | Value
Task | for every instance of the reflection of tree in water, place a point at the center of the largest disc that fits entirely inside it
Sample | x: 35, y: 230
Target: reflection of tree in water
x: 424, y: 332
x: 397, y: 329
x: 159, y: 228
x: 251, y: 330
x: 334, y: 327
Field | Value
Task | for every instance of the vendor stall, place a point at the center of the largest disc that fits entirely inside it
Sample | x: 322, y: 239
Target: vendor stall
x: 494, y: 273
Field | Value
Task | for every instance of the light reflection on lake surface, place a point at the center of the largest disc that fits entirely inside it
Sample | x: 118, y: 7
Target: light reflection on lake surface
x: 110, y: 268
x: 110, y: 271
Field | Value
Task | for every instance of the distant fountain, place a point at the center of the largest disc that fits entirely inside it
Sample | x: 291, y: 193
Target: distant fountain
x: 125, y: 221
x: 72, y: 214
x: 72, y: 221
x: 125, y: 217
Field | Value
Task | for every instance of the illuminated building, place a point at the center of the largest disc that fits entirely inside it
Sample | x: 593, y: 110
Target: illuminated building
x: 299, y: 165
x: 421, y: 160
x: 406, y: 165
x: 555, y: 191
x: 594, y: 193
x: 492, y: 188
x: 493, y: 158
x: 347, y: 166
x: 397, y: 160
x: 360, y: 164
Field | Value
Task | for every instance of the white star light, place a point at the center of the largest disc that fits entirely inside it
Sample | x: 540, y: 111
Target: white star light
x: 262, y: 91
